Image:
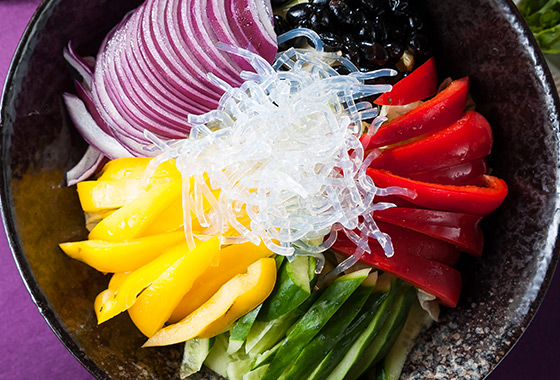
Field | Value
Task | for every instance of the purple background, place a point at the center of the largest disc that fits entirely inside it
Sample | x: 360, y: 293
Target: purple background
x: 29, y: 350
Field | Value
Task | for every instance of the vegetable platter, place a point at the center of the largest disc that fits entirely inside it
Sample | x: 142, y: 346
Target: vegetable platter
x: 489, y: 316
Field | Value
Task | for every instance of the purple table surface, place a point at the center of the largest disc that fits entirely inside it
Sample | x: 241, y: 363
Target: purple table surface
x: 29, y: 349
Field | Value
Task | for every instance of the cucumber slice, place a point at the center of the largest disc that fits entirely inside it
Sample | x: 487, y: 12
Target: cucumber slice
x: 322, y: 343
x: 311, y: 322
x: 380, y: 374
x: 279, y: 260
x: 237, y: 369
x: 218, y: 359
x: 388, y: 334
x: 241, y: 330
x: 264, y: 335
x: 291, y: 290
x: 256, y: 374
x: 266, y: 357
x: 418, y: 320
x: 371, y: 318
x: 194, y: 355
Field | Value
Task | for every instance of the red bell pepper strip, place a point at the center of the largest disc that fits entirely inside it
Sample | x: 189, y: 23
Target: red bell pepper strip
x: 418, y: 244
x: 435, y: 114
x: 467, y: 139
x: 413, y: 242
x: 465, y: 173
x: 459, y: 229
x: 418, y: 85
x: 478, y: 200
x: 435, y: 278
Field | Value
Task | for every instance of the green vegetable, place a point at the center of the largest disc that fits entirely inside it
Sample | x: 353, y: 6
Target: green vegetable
x: 322, y: 343
x: 360, y: 336
x: 237, y: 369
x: 374, y: 311
x: 218, y: 358
x: 543, y: 17
x: 265, y: 335
x: 267, y: 356
x: 291, y: 290
x: 388, y: 334
x: 194, y: 355
x: 255, y: 374
x: 241, y: 329
x: 418, y: 320
x: 311, y: 322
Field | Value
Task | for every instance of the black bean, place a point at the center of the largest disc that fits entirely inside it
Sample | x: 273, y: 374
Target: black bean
x: 419, y: 44
x: 348, y: 40
x: 281, y: 26
x: 380, y: 29
x: 373, y: 7
x: 370, y: 33
x: 415, y: 23
x: 352, y: 51
x: 374, y: 53
x: 342, y: 70
x: 357, y: 16
x: 331, y: 41
x: 365, y: 32
x: 399, y: 7
x: 320, y: 19
x: 299, y: 13
x: 395, y: 50
x: 397, y: 27
x: 341, y: 12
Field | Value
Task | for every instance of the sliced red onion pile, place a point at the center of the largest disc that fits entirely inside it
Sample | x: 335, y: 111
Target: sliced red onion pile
x: 152, y: 69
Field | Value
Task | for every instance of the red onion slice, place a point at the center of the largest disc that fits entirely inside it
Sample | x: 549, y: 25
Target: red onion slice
x: 247, y: 14
x: 152, y: 70
x: 226, y: 68
x: 216, y: 13
x: 154, y: 85
x: 138, y: 110
x: 176, y: 69
x: 85, y: 95
x: 78, y: 64
x: 90, y: 131
x: 91, y: 162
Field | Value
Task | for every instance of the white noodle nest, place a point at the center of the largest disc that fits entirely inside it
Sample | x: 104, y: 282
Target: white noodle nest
x: 284, y: 151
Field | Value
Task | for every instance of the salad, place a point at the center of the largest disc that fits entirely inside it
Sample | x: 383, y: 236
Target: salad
x: 284, y: 201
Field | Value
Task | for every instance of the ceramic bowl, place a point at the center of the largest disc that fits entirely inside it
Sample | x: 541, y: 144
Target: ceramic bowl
x: 510, y: 83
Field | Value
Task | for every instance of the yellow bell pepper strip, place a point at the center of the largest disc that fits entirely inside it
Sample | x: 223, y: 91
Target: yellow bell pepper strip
x: 114, y: 284
x: 114, y: 301
x: 135, y: 168
x: 250, y: 289
x: 131, y: 220
x: 171, y: 219
x: 96, y: 196
x: 93, y: 218
x: 155, y: 304
x: 241, y: 306
x: 117, y: 279
x: 126, y: 256
x: 232, y: 260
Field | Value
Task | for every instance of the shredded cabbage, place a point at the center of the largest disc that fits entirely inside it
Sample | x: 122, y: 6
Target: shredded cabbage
x: 283, y: 151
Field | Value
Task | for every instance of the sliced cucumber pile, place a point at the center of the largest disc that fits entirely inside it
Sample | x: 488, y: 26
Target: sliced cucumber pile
x: 350, y: 328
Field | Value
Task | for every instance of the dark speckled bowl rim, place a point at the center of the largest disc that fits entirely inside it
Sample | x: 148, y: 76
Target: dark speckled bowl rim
x: 42, y: 302
x: 22, y: 264
x: 552, y: 96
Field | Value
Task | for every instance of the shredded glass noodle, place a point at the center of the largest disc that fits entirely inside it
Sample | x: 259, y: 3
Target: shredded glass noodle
x: 280, y: 160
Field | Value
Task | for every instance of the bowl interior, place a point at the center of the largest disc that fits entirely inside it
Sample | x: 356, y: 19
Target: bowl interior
x: 485, y: 40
